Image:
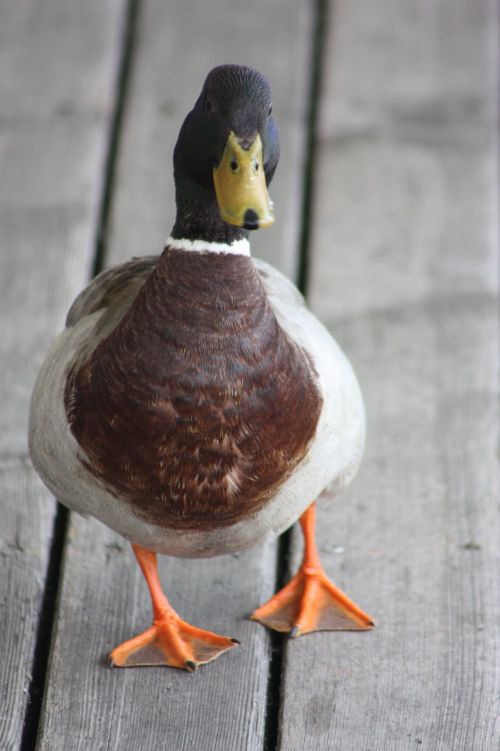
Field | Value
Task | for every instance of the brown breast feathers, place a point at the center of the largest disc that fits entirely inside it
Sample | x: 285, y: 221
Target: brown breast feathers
x: 197, y: 406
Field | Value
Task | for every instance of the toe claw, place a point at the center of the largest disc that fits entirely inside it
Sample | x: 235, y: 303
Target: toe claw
x: 191, y: 665
x: 294, y: 632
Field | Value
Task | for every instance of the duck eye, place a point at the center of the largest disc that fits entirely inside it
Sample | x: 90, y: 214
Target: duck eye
x: 270, y: 111
x: 207, y: 104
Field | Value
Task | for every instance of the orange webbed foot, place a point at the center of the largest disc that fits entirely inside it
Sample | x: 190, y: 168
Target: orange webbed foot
x: 173, y: 642
x: 311, y: 602
x: 170, y: 640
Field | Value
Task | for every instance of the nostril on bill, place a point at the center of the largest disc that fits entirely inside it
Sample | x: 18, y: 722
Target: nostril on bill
x: 250, y: 220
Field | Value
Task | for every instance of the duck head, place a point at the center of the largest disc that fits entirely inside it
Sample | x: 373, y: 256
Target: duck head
x: 225, y: 158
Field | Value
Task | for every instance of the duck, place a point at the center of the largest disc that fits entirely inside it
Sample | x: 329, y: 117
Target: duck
x: 193, y: 403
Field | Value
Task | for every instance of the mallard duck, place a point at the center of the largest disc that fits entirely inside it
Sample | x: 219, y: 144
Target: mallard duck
x: 193, y: 403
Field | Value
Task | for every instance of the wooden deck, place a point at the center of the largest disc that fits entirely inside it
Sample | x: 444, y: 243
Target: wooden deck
x: 389, y: 111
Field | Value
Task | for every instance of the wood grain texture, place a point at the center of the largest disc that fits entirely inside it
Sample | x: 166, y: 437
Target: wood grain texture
x: 53, y: 133
x: 58, y: 62
x: 404, y: 269
x: 104, y: 599
x: 26, y: 517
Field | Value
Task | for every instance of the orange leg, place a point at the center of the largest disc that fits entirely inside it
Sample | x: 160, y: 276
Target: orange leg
x: 170, y: 640
x: 310, y: 602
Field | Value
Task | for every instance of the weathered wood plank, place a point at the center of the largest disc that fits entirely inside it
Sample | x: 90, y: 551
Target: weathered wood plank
x: 404, y: 267
x: 57, y: 63
x: 103, y: 598
x: 53, y: 133
x: 26, y: 525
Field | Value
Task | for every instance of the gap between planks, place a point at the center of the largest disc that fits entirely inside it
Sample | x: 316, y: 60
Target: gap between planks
x: 321, y: 12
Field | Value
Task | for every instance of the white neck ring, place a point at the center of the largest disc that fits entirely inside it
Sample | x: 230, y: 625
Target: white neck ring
x: 237, y: 248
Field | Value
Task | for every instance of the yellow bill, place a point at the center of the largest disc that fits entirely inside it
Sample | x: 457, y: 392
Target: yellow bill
x: 240, y: 186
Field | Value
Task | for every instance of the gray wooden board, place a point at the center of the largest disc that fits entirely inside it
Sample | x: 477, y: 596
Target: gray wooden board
x: 104, y: 599
x: 26, y: 512
x: 57, y: 70
x: 404, y: 271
